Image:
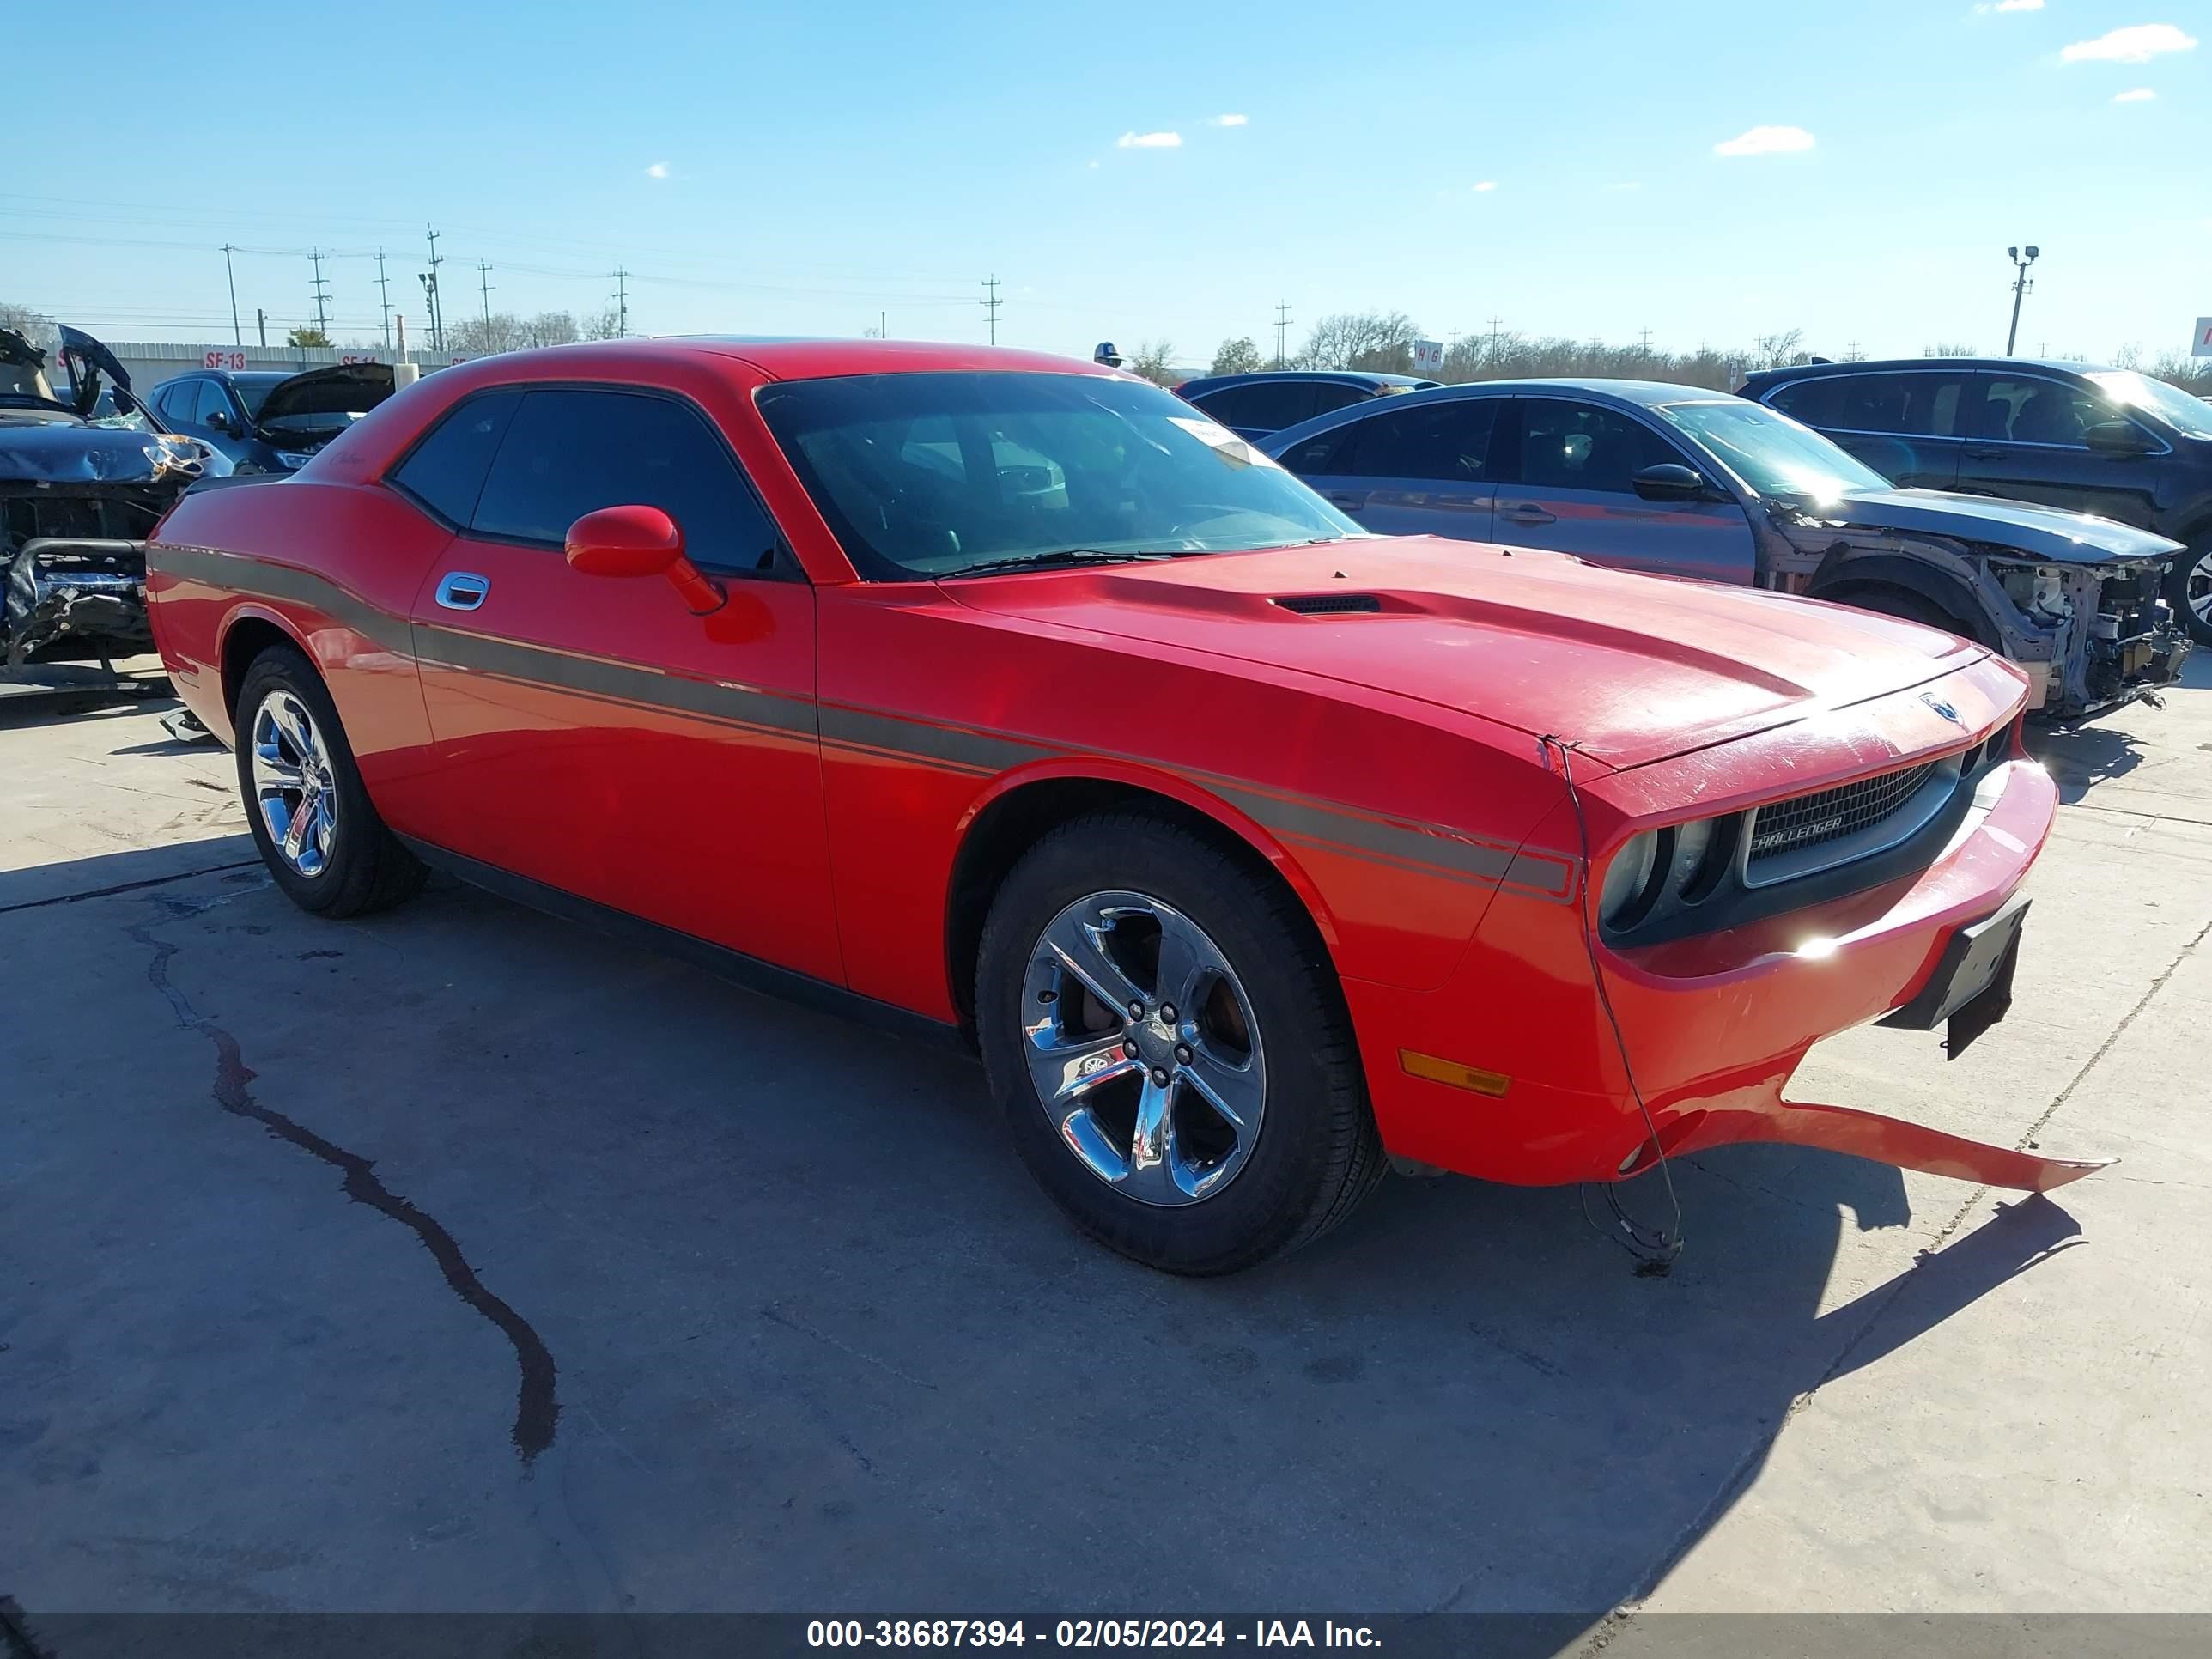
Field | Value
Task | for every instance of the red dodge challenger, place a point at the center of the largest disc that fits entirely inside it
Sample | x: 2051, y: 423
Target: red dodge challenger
x: 1010, y: 701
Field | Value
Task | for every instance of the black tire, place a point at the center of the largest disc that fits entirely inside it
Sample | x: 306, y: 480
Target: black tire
x: 1316, y: 1152
x: 2192, y: 569
x: 365, y: 868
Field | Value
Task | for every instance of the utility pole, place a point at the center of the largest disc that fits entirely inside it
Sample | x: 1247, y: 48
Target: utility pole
x: 483, y: 283
x: 883, y: 326
x: 1282, y: 328
x: 990, y: 305
x: 384, y: 294
x: 261, y: 323
x: 237, y: 335
x: 1494, y: 322
x: 430, y: 294
x: 1647, y: 341
x: 2020, y: 286
x: 621, y: 303
x: 322, y: 297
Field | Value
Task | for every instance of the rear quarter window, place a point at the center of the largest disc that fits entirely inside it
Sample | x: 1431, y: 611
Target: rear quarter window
x: 445, y: 470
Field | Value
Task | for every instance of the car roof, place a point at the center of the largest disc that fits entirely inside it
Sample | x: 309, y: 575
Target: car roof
x: 1648, y: 393
x: 1359, y: 377
x: 799, y: 358
x: 1891, y: 365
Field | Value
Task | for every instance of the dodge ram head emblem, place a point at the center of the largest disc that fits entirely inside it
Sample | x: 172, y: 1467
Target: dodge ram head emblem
x: 1942, y: 708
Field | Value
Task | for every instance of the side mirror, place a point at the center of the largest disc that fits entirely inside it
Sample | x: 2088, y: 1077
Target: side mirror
x: 219, y: 421
x: 2118, y: 438
x: 640, y: 541
x: 1670, y: 481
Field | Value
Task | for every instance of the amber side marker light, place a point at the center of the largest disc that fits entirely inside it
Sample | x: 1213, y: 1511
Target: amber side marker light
x: 1452, y: 1073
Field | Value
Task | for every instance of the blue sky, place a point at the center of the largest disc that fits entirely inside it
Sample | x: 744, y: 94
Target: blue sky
x: 803, y: 169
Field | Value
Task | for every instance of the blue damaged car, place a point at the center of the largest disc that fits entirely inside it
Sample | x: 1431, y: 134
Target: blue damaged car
x: 1681, y: 481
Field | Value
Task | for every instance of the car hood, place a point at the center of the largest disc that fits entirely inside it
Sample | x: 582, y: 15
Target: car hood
x: 2042, y: 532
x: 341, y: 389
x: 71, y: 452
x: 1634, y: 668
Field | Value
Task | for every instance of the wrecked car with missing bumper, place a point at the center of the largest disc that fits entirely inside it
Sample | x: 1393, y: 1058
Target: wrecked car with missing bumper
x: 78, y: 493
x: 1677, y: 480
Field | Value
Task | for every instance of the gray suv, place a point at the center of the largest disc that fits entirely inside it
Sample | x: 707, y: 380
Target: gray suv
x: 2104, y: 441
x: 1683, y: 481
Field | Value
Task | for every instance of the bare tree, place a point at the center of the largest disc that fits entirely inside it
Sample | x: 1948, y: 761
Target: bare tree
x: 605, y: 326
x: 1238, y: 356
x: 1155, y: 361
x: 33, y: 325
x: 1382, y: 340
x: 1953, y: 350
x: 1778, y: 350
x: 550, y: 328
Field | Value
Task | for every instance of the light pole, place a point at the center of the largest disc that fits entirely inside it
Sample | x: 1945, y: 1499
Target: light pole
x: 2020, y: 286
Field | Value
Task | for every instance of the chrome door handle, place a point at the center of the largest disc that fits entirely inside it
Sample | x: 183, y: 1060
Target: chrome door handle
x: 461, y: 590
x: 1525, y: 512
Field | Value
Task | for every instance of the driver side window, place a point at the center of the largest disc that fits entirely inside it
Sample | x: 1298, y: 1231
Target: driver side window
x: 1572, y: 446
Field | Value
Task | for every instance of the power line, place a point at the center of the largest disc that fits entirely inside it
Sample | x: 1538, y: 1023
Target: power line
x: 991, y: 306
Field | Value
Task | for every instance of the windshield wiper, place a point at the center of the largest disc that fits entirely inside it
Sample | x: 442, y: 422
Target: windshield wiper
x: 1059, y: 559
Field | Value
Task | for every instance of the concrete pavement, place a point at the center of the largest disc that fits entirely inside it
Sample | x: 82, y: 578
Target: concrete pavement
x: 460, y: 1259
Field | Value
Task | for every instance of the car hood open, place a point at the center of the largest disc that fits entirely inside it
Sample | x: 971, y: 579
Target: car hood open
x: 2042, y: 532
x: 341, y: 389
x: 1634, y: 668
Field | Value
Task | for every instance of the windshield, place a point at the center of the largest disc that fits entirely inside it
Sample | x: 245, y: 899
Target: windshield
x: 926, y: 475
x: 2191, y: 417
x: 254, y: 390
x: 1770, y: 452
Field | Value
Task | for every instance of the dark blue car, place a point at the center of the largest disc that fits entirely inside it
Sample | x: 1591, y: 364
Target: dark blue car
x: 1254, y: 405
x: 270, y: 420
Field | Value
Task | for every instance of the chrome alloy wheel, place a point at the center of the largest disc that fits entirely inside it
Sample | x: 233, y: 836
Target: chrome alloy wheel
x: 2197, y: 590
x: 293, y: 789
x: 1143, y: 1048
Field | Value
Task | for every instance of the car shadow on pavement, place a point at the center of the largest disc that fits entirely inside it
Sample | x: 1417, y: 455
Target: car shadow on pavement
x: 2080, y: 758
x: 817, y: 1342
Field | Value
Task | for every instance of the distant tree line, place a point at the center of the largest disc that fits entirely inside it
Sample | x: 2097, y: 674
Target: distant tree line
x: 1383, y: 342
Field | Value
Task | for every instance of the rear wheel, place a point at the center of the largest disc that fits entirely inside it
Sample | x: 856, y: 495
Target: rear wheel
x: 309, y: 813
x: 1166, y: 1036
x: 2189, y: 590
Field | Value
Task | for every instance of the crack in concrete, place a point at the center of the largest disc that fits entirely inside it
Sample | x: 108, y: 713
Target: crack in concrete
x: 536, y: 1408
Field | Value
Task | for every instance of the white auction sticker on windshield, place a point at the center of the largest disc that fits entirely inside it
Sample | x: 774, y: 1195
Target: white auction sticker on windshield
x: 1232, y: 447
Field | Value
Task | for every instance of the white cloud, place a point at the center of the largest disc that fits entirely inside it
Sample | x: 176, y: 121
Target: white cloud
x: 657, y: 170
x: 1149, y: 140
x: 1228, y: 120
x: 2137, y: 95
x: 1486, y: 187
x: 2012, y: 5
x: 1765, y: 141
x: 2137, y: 44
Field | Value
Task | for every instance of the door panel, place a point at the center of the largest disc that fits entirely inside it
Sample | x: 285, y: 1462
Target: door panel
x: 1573, y: 495
x: 2026, y: 445
x: 592, y: 733
x: 1427, y: 470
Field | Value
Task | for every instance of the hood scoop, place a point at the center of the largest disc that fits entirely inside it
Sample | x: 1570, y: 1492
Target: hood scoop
x: 1328, y: 604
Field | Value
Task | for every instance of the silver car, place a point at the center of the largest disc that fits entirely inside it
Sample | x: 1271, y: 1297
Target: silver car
x: 1682, y: 480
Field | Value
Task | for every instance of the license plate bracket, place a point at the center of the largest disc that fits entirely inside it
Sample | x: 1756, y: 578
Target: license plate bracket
x: 1971, y: 988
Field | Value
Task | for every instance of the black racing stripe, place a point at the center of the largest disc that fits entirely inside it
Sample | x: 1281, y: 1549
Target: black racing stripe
x: 1308, y: 819
x: 259, y: 579
x: 626, y: 682
x: 983, y: 751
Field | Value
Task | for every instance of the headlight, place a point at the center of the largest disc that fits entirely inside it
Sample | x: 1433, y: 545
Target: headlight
x: 1690, y: 840
x: 1627, y: 877
x: 294, y: 459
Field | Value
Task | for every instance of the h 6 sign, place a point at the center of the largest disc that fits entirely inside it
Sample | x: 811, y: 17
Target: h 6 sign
x: 1428, y: 356
x: 2200, y: 344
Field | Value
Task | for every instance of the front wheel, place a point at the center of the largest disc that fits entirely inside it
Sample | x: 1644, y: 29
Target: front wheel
x: 305, y: 802
x: 1166, y: 1036
x: 2189, y: 590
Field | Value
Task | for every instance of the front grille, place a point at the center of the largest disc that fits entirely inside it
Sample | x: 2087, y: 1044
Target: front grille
x: 1832, y: 814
